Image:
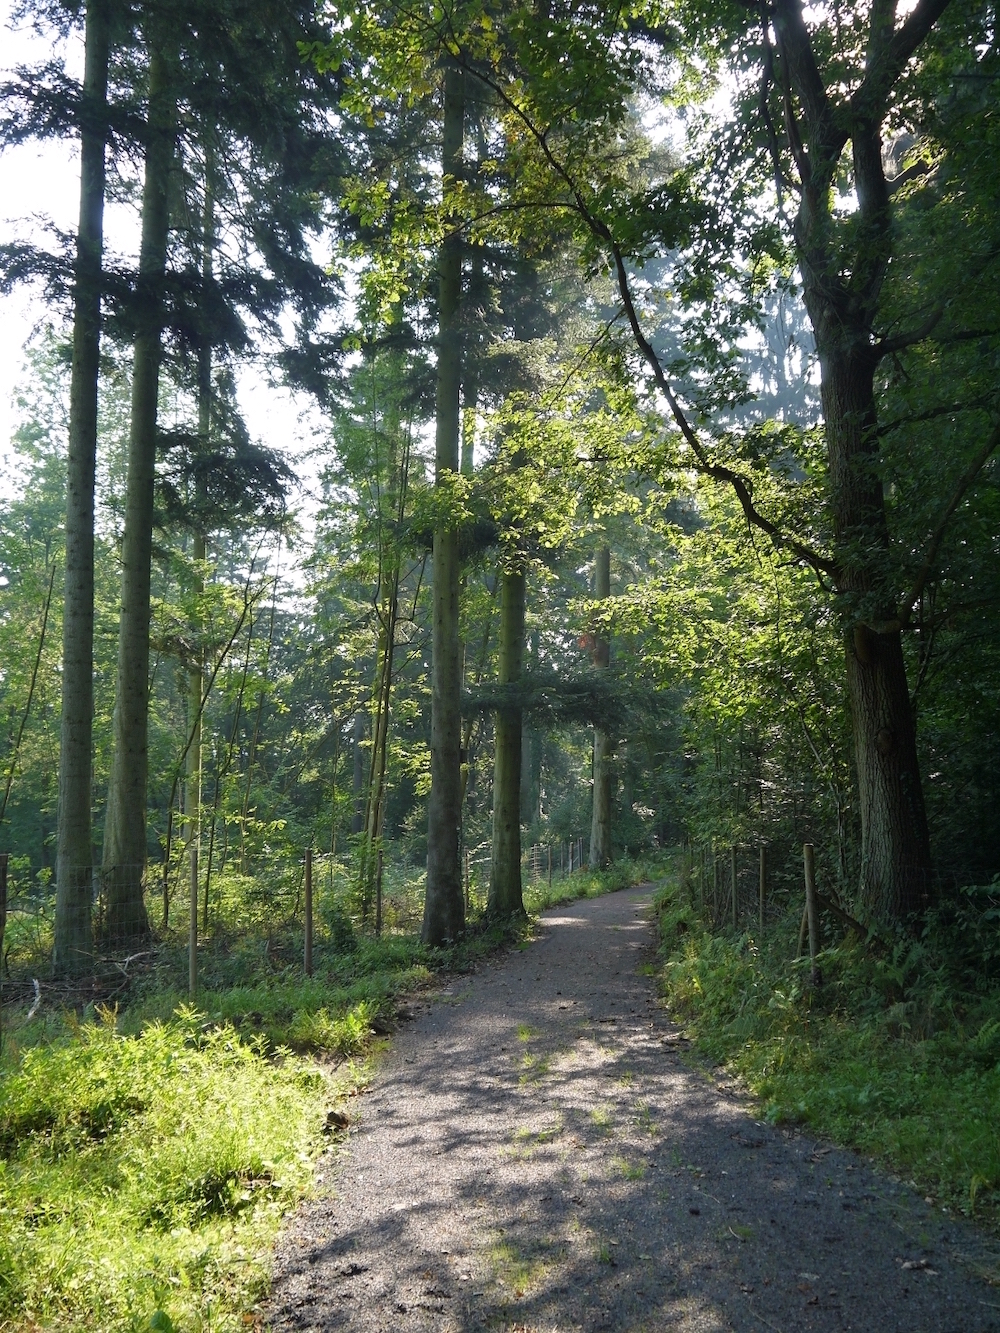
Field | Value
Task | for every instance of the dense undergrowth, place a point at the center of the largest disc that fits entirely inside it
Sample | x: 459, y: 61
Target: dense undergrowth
x: 148, y: 1152
x: 897, y: 1053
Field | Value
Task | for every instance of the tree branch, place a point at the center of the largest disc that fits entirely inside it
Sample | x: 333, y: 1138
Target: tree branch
x: 742, y: 486
x: 797, y: 52
x: 886, y: 346
x: 891, y: 59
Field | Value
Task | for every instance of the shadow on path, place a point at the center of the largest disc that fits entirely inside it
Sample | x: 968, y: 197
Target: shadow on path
x: 536, y: 1155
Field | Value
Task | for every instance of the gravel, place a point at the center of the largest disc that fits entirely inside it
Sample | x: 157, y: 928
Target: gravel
x: 539, y: 1152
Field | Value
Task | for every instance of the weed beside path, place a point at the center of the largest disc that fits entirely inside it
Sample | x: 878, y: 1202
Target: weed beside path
x: 896, y: 1054
x: 536, y: 1153
x: 149, y: 1154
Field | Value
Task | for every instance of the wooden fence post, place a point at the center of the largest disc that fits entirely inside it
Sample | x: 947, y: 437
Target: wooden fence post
x: 812, y: 911
x: 550, y: 865
x: 193, y: 924
x: 308, y: 941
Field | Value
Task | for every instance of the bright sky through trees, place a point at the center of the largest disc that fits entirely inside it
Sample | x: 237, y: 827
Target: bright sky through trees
x: 40, y: 190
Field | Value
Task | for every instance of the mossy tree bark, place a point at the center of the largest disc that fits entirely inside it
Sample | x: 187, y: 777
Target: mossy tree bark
x: 842, y: 275
x: 600, y: 825
x: 444, y: 903
x: 73, y: 944
x: 125, y: 826
x: 505, y: 898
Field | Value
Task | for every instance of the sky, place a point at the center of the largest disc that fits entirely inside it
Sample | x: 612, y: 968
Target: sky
x: 39, y: 188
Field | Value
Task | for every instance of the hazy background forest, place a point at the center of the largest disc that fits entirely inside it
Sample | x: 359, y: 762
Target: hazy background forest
x: 642, y: 500
x: 290, y: 663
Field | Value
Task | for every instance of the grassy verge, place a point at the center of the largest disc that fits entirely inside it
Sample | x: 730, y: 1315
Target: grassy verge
x: 148, y: 1154
x: 593, y: 883
x: 897, y: 1054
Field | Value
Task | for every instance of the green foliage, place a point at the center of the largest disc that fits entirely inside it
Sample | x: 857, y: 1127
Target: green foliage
x: 897, y: 1053
x: 148, y: 1173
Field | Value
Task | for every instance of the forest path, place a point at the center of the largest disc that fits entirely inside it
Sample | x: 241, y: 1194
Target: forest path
x: 535, y: 1154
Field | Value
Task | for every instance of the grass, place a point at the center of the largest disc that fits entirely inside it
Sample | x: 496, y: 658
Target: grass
x: 592, y: 883
x: 147, y: 1156
x: 144, y: 1176
x: 149, y: 1153
x: 897, y: 1054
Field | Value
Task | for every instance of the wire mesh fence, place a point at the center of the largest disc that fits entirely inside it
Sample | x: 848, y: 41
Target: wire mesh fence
x: 213, y: 906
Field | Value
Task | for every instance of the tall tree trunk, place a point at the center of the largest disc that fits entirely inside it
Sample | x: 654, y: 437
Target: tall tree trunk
x: 600, y: 824
x: 444, y: 903
x: 505, y: 898
x: 196, y: 674
x: 73, y: 945
x: 843, y: 266
x: 895, y: 846
x: 125, y: 826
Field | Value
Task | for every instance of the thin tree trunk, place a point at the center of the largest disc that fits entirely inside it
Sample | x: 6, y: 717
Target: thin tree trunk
x: 125, y: 825
x: 505, y: 898
x: 444, y: 903
x: 255, y: 734
x: 600, y: 824
x: 73, y: 945
x: 196, y: 675
x: 358, y: 789
x: 375, y: 811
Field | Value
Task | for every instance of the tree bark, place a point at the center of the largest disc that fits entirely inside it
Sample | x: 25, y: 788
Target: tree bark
x: 73, y: 944
x: 444, y: 903
x: 505, y: 898
x: 895, y: 846
x: 196, y: 674
x: 600, y: 825
x: 125, y: 827
x: 843, y: 271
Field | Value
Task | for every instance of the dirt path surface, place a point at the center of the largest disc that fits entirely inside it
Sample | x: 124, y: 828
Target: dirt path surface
x: 535, y: 1154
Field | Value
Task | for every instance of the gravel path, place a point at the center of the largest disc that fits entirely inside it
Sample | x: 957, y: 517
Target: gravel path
x: 536, y: 1154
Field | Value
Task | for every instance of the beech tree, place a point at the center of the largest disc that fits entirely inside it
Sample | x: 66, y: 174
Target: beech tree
x: 825, y: 96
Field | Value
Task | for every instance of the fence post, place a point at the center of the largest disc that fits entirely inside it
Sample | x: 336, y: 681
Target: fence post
x: 763, y: 885
x: 812, y: 913
x: 468, y: 899
x: 736, y: 886
x: 193, y: 924
x: 715, y: 885
x: 550, y: 865
x: 308, y: 932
